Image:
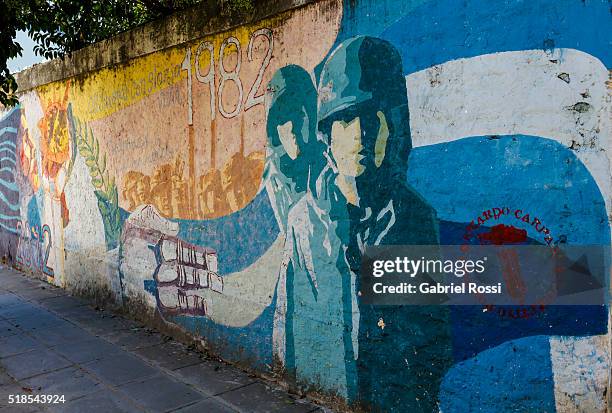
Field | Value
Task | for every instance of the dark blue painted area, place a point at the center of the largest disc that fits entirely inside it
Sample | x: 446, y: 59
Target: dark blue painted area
x: 150, y: 286
x: 433, y: 32
x: 474, y: 330
x: 535, y: 174
x: 514, y: 377
x: 239, y: 238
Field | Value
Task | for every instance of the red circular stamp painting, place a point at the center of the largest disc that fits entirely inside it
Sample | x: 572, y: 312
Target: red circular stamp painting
x: 487, y: 229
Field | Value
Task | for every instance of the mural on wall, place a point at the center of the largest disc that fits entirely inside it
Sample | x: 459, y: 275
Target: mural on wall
x: 9, y: 195
x: 104, y: 185
x: 216, y: 194
x: 232, y: 184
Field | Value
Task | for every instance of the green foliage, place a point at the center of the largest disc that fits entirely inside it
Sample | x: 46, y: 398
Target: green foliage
x: 63, y: 26
x: 105, y: 188
x: 12, y: 19
x: 236, y: 7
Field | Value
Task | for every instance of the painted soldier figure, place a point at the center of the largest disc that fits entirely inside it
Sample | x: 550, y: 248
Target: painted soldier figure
x: 401, y: 352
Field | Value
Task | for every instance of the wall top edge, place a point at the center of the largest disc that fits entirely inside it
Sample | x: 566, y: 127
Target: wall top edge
x: 179, y: 28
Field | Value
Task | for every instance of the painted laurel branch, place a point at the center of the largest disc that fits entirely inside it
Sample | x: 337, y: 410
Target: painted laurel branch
x: 105, y: 187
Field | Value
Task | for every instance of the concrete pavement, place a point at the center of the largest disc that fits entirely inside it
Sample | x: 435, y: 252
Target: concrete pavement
x: 55, y: 344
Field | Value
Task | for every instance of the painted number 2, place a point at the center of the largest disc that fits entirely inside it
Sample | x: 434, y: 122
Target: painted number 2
x: 206, y: 52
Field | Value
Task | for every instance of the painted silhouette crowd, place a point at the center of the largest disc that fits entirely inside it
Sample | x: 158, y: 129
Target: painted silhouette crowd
x: 336, y: 174
x: 217, y: 193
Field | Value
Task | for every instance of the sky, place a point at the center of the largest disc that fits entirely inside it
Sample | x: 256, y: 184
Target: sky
x: 28, y: 58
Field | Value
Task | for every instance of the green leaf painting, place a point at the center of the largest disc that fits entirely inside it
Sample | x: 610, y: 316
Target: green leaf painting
x: 104, y: 186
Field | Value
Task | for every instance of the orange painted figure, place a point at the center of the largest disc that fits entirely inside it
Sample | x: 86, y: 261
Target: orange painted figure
x: 27, y: 155
x: 56, y: 149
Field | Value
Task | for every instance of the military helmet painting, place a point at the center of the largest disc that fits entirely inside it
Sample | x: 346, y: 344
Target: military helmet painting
x: 363, y: 80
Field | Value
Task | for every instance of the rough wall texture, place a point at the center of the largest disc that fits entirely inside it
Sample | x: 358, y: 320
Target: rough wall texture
x: 229, y: 180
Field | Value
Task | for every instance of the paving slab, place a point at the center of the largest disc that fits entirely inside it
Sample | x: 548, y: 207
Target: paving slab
x: 14, y: 389
x: 120, y: 369
x: 104, y: 325
x: 62, y: 302
x: 104, y: 401
x: 8, y: 329
x: 38, y: 320
x: 87, y: 349
x: 135, y: 338
x: 18, y: 344
x: 62, y: 334
x: 22, y: 408
x: 170, y: 355
x: 25, y: 408
x: 71, y: 382
x: 77, y: 314
x: 9, y: 299
x: 32, y: 363
x: 5, y: 379
x: 258, y: 397
x: 213, y: 377
x: 210, y: 405
x: 161, y: 393
x: 21, y: 309
x: 20, y: 283
x: 39, y: 293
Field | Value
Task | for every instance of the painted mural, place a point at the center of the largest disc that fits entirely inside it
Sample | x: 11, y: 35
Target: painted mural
x: 232, y: 183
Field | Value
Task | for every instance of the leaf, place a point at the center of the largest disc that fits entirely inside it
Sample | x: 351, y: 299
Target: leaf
x: 117, y: 222
x: 102, y: 165
x: 101, y: 196
x: 103, y: 207
x: 86, y: 153
x: 97, y: 183
x: 114, y: 198
x: 105, y: 187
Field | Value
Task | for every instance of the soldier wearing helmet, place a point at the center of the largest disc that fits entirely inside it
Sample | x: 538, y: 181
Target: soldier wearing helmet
x: 363, y: 114
x: 309, y: 280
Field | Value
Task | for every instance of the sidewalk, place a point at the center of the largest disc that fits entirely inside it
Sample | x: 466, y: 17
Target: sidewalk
x: 55, y: 344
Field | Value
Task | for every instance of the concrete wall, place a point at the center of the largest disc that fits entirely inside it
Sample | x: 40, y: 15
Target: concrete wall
x: 226, y: 177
